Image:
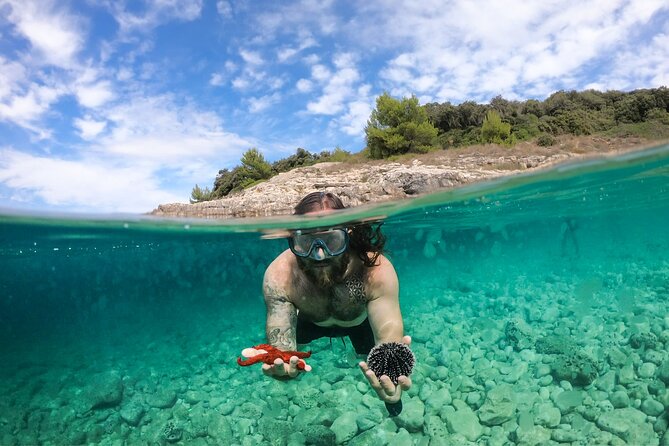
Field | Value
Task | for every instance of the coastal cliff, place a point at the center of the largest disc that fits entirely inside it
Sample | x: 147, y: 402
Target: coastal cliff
x: 376, y: 181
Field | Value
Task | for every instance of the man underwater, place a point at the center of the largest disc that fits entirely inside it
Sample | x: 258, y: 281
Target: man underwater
x: 333, y: 283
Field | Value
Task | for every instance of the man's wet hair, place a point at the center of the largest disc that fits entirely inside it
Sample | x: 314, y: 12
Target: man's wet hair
x: 366, y: 239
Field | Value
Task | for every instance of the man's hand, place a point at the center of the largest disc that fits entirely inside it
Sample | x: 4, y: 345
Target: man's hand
x: 279, y: 369
x: 384, y: 387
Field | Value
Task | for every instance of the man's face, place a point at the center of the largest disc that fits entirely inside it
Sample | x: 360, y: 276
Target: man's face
x: 322, y: 255
x: 325, y: 272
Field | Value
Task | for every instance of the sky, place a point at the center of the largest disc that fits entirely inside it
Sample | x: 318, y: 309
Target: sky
x: 120, y: 105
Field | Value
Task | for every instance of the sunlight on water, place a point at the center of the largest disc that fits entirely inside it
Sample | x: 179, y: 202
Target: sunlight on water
x: 537, y: 305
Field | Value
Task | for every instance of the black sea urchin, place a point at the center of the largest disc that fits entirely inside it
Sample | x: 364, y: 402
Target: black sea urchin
x: 392, y: 359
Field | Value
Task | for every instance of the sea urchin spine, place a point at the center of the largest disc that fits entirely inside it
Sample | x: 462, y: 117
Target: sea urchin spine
x: 392, y: 359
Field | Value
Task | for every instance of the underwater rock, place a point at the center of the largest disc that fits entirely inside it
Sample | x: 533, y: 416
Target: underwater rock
x: 628, y: 424
x: 499, y: 406
x: 219, y: 429
x: 532, y: 435
x: 273, y: 429
x: 105, y: 390
x: 132, y: 413
x: 171, y: 432
x: 663, y: 371
x: 162, y: 399
x: 463, y: 421
x: 652, y: 407
x: 438, y: 399
x: 318, y: 435
x: 547, y: 415
x: 619, y: 399
x: 575, y: 367
x: 345, y: 427
x: 645, y: 340
x: 568, y: 400
x: 411, y: 417
x: 435, y: 428
x: 369, y: 419
x: 519, y: 335
x: 392, y: 359
x: 554, y: 345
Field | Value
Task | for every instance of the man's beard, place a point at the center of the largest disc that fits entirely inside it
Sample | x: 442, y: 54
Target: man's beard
x: 325, y: 276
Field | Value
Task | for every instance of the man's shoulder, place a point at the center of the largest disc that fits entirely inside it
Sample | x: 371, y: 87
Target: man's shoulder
x: 381, y: 272
x: 279, y: 273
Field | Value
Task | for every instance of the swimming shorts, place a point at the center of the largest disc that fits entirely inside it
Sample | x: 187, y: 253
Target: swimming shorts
x: 361, y: 336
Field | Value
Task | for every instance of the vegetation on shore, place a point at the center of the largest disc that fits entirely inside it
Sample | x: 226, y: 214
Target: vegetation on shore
x: 400, y: 126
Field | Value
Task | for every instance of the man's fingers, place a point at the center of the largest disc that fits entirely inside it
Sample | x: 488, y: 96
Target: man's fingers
x: 404, y: 382
x: 406, y: 340
x: 387, y: 385
x: 292, y: 367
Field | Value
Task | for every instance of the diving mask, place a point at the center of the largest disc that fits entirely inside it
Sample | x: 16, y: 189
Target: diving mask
x: 333, y: 241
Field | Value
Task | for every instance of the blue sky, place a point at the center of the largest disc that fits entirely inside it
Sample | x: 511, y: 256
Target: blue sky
x: 117, y: 106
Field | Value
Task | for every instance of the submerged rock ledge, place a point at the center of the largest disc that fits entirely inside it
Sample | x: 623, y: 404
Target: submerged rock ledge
x: 378, y: 181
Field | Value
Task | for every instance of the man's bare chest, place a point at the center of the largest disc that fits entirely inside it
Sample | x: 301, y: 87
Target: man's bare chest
x: 344, y: 301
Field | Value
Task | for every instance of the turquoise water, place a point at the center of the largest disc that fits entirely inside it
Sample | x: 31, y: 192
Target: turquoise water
x: 537, y: 306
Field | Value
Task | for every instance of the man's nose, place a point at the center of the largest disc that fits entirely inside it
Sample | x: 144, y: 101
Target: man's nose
x: 318, y: 254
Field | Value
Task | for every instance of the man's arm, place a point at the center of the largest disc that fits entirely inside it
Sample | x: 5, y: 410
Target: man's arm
x: 281, y: 319
x: 383, y: 308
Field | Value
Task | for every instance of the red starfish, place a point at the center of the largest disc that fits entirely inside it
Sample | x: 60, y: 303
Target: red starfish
x: 272, y: 354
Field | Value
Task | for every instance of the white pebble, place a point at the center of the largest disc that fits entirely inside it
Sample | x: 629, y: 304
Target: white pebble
x: 647, y: 370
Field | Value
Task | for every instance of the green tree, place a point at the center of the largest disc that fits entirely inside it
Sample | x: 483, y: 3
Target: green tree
x: 493, y: 130
x: 399, y: 126
x: 254, y: 168
x: 301, y: 157
x: 198, y: 194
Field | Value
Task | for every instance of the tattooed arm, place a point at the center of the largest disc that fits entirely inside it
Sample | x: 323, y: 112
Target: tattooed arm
x: 281, y: 320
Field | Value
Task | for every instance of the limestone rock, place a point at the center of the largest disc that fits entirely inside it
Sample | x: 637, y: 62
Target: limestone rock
x: 412, y: 415
x: 105, y: 390
x: 499, y: 406
x: 628, y: 424
x: 345, y: 427
x: 162, y: 399
x: 358, y: 184
x: 464, y: 422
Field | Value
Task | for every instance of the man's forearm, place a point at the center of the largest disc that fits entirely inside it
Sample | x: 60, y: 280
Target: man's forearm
x: 390, y: 331
x: 281, y: 337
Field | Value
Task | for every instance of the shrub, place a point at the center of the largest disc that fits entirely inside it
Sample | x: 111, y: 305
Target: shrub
x: 546, y: 140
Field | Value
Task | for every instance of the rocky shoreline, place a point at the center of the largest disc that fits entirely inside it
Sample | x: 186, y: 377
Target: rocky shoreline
x: 378, y: 181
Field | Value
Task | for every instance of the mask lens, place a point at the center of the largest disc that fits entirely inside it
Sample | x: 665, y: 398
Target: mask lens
x: 334, y: 242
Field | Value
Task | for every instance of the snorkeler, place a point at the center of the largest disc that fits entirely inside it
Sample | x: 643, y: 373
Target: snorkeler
x: 333, y: 283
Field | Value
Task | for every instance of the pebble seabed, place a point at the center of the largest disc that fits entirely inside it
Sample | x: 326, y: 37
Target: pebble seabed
x: 547, y: 361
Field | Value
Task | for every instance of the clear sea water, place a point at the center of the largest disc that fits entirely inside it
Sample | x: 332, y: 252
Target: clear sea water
x: 125, y: 329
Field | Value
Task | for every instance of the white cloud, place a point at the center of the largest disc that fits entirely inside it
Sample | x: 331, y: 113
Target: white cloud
x: 354, y: 121
x: 286, y: 53
x: 251, y: 57
x: 224, y: 9
x: 216, y: 79
x: 319, y: 15
x: 12, y: 74
x: 477, y: 50
x: 154, y: 13
x: 89, y: 128
x: 304, y: 85
x: 164, y: 132
x: 25, y: 108
x: 338, y: 87
x: 53, y: 32
x: 95, y: 94
x: 82, y: 184
x: 262, y: 103
x: 132, y: 145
